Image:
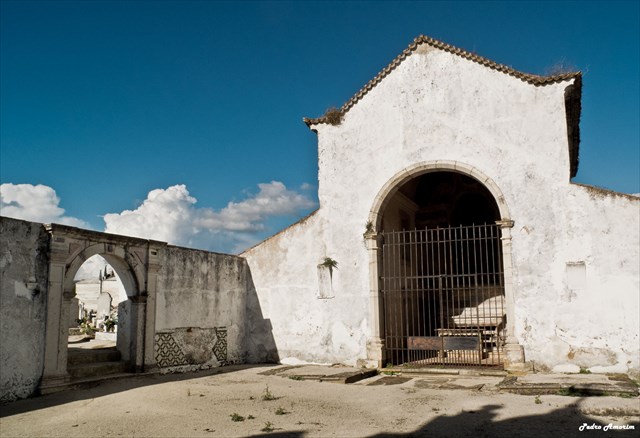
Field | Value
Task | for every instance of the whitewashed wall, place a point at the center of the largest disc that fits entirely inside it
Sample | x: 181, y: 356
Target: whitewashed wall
x: 306, y: 326
x: 436, y: 106
x: 578, y: 281
x: 23, y: 294
x: 200, y: 309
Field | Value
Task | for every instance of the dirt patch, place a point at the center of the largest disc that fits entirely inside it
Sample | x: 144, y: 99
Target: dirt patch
x: 231, y: 403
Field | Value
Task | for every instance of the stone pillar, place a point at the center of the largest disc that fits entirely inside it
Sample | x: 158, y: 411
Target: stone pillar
x: 513, y: 351
x: 138, y: 311
x: 153, y: 269
x: 375, y: 344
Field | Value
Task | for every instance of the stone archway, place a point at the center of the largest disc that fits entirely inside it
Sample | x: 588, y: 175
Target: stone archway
x: 376, y: 351
x: 136, y: 262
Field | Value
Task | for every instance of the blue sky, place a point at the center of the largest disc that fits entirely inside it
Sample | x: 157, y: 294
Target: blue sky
x: 105, y: 102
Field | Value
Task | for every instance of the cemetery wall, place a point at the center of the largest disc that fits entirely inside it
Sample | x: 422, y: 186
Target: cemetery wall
x: 197, y: 309
x: 200, y: 310
x: 23, y: 297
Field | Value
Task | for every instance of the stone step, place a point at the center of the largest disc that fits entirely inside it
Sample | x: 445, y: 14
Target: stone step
x: 98, y: 369
x: 77, y: 356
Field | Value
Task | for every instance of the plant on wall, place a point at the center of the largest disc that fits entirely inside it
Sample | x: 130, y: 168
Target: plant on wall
x: 329, y: 263
x: 368, y: 228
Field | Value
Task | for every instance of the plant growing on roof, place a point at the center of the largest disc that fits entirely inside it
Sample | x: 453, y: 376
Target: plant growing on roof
x: 329, y: 263
x: 333, y: 116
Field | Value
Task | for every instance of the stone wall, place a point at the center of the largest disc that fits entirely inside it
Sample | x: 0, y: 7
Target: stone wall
x: 23, y: 293
x: 191, y: 309
x: 201, y: 312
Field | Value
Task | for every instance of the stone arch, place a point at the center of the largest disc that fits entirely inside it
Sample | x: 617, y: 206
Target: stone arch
x: 514, y: 353
x: 391, y: 187
x: 132, y: 276
x: 137, y: 263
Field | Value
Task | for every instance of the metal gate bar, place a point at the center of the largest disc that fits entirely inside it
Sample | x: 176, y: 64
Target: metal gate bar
x: 443, y: 296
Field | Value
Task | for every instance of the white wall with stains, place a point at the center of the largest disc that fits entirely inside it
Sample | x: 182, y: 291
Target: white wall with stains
x: 200, y: 310
x: 578, y: 281
x: 437, y: 106
x: 23, y: 293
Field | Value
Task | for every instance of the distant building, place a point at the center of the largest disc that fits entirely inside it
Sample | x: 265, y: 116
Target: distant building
x: 88, y: 292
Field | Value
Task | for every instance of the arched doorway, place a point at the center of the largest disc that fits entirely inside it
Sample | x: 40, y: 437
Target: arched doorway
x: 100, y: 319
x: 136, y: 262
x: 438, y: 268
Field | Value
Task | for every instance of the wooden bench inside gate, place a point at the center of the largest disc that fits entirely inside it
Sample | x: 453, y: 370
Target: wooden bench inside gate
x: 451, y: 349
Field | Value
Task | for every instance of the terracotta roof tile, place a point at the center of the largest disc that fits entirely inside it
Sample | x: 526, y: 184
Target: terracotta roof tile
x: 526, y: 77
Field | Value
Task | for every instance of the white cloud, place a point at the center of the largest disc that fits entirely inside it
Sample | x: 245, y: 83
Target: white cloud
x: 34, y: 203
x: 171, y: 215
x: 273, y: 199
x: 165, y: 215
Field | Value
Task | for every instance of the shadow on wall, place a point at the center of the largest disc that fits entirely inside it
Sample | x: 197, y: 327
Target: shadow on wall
x: 259, y: 343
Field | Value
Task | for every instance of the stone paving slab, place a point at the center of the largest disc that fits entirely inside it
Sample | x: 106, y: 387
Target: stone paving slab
x: 476, y: 380
x: 436, y: 381
x: 475, y: 383
x: 323, y: 373
x: 571, y: 384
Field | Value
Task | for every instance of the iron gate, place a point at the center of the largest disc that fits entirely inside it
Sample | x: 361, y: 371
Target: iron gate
x: 443, y: 296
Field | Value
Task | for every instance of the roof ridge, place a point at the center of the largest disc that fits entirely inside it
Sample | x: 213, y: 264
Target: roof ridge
x: 422, y: 39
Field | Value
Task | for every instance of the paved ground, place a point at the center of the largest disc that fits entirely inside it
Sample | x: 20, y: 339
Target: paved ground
x: 307, y: 401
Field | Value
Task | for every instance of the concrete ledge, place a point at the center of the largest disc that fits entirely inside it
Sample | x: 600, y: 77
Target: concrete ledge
x: 445, y: 371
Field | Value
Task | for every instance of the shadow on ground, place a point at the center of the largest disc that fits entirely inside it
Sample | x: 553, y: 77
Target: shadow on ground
x: 482, y: 423
x: 99, y: 389
x: 564, y: 422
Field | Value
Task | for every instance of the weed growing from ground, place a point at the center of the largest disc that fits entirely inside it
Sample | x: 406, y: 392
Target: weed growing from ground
x: 236, y: 417
x: 537, y: 400
x: 268, y: 427
x: 267, y: 395
x: 281, y: 411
